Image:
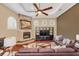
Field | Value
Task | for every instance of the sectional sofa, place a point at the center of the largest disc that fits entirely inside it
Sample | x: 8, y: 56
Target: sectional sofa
x: 47, y: 52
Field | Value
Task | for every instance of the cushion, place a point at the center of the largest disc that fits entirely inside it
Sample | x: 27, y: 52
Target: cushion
x: 23, y: 50
x: 76, y: 45
x: 66, y: 41
x: 46, y: 50
x: 59, y: 38
x: 56, y: 47
x: 71, y: 44
x: 64, y: 50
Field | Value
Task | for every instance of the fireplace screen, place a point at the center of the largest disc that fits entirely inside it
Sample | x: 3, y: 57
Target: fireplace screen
x: 26, y: 35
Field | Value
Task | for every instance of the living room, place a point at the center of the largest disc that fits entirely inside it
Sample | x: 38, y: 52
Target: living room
x: 29, y: 27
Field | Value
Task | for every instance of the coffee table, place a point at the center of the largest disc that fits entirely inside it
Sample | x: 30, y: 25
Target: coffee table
x: 43, y: 45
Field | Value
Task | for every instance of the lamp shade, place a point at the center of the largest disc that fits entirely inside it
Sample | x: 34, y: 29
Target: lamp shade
x: 77, y: 36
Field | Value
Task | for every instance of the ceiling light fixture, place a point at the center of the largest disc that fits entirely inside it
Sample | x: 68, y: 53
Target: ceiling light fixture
x: 39, y: 12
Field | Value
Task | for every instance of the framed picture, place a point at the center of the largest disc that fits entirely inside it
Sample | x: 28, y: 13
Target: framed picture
x: 25, y: 24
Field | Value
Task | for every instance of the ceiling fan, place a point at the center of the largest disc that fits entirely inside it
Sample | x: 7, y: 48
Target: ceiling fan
x: 39, y: 10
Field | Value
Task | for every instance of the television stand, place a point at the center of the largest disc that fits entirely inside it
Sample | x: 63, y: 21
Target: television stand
x: 38, y: 37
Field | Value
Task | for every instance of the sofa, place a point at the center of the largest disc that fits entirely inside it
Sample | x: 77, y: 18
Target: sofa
x: 47, y: 52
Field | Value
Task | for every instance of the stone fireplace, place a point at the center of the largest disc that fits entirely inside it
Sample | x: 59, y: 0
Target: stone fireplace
x: 24, y: 35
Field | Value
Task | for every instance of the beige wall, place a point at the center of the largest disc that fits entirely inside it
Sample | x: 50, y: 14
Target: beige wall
x: 4, y: 14
x: 4, y: 31
x: 68, y: 23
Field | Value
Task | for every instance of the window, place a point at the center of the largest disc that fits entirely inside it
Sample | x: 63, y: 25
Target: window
x: 12, y: 23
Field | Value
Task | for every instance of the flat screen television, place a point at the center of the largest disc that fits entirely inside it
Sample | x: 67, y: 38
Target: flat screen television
x: 44, y: 32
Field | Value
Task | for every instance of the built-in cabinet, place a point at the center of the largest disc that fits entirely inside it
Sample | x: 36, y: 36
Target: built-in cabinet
x: 44, y: 22
x: 44, y: 33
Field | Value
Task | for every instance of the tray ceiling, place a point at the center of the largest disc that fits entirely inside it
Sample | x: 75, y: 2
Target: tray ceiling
x: 23, y: 8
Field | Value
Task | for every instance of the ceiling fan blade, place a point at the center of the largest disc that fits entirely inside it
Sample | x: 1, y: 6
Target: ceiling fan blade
x: 31, y: 11
x: 36, y: 6
x: 44, y: 13
x: 47, y: 8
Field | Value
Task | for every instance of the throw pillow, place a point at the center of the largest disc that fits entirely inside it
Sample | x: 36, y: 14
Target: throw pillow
x: 57, y: 47
x: 66, y: 41
x: 59, y: 38
x: 76, y: 45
